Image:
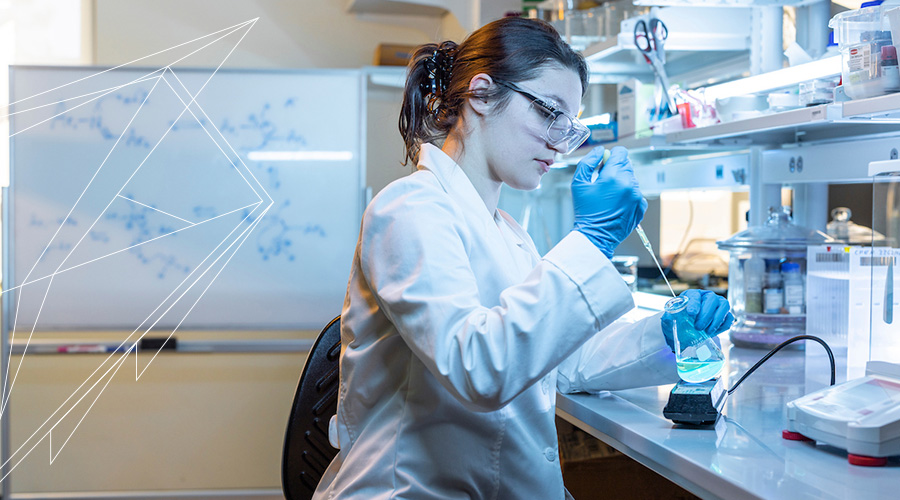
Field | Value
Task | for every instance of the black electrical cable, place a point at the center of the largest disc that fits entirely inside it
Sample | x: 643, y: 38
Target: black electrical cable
x: 778, y: 348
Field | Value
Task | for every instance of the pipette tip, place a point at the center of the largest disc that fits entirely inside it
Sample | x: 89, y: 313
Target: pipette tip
x: 596, y: 171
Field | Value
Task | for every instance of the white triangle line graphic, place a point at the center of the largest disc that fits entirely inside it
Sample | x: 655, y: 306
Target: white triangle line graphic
x: 241, y: 238
x: 8, y: 391
x: 166, y: 81
x: 104, y: 92
x: 129, y: 248
x: 209, y: 120
x: 154, y: 208
x: 243, y: 234
x: 46, y: 293
x: 230, y: 30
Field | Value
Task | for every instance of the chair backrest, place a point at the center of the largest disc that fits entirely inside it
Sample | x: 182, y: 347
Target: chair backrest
x: 307, y: 451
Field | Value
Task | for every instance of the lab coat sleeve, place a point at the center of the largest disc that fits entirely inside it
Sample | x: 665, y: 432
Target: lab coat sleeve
x: 631, y: 352
x: 414, y: 253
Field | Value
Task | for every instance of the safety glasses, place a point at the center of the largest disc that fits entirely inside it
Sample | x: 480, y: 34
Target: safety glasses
x: 559, y: 127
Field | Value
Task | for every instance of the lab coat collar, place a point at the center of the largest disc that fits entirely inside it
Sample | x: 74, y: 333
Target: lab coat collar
x: 451, y: 176
x: 455, y: 181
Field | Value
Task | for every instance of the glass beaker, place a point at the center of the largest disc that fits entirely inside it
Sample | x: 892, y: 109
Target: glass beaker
x: 627, y: 267
x: 697, y: 356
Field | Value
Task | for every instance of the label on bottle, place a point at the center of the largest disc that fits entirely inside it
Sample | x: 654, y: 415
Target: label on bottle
x: 773, y: 299
x: 859, y: 58
x: 793, y: 298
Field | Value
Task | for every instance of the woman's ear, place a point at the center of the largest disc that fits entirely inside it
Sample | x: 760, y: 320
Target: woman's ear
x: 479, y: 86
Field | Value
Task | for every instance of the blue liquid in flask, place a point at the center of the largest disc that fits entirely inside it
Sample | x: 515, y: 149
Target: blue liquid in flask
x: 697, y: 356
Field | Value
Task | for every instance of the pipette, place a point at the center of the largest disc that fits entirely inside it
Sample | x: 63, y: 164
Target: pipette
x: 638, y: 229
x: 649, y: 247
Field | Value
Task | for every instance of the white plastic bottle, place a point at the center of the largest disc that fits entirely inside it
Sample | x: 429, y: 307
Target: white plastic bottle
x: 794, y: 298
x: 773, y: 293
x: 754, y: 272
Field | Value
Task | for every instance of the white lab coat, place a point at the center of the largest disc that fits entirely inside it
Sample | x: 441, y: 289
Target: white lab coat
x: 452, y: 331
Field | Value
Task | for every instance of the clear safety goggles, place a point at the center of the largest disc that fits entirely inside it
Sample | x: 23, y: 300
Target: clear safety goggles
x: 559, y: 127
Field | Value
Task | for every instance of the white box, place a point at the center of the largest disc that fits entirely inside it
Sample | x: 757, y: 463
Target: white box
x: 626, y: 105
x: 634, y: 103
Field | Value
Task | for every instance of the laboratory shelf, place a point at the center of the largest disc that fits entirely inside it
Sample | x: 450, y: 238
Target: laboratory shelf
x: 766, y: 129
x: 700, y: 38
x: 640, y: 144
x: 647, y: 149
x: 882, y: 108
x: 816, y: 124
x: 612, y: 62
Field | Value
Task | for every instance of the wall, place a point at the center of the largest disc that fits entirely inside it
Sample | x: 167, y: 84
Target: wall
x: 192, y: 421
x: 289, y: 34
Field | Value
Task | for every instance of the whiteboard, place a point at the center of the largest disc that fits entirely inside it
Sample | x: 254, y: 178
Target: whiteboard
x: 190, y: 199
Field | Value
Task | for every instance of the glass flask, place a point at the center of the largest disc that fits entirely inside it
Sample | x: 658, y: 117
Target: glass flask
x: 697, y: 356
x: 842, y: 229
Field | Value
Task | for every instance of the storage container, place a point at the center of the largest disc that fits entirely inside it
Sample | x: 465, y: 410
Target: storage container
x: 767, y: 265
x: 868, y: 58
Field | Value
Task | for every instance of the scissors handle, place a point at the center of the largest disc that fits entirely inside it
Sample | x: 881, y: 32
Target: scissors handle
x: 642, y: 39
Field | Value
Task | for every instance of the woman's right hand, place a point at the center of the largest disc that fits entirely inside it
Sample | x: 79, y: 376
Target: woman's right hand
x: 608, y: 209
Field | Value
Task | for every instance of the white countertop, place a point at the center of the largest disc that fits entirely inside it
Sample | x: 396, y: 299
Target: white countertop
x: 744, y: 456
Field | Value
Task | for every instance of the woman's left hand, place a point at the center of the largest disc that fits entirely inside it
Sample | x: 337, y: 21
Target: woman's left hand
x: 711, y: 314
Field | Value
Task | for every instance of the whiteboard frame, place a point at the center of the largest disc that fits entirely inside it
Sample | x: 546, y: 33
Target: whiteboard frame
x: 8, y: 215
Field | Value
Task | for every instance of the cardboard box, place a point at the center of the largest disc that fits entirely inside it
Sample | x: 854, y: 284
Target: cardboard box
x: 634, y: 102
x: 393, y: 55
x: 602, y: 133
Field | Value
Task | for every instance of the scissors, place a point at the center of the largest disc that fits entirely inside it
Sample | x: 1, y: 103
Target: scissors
x: 651, y: 42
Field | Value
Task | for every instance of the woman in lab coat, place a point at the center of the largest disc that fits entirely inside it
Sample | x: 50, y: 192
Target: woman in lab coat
x: 455, y: 332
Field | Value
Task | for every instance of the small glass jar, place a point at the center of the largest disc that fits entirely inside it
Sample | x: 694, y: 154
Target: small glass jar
x: 627, y: 267
x: 842, y: 229
x: 760, y: 259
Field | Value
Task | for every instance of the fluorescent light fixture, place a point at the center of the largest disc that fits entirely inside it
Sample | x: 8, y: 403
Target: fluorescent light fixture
x: 300, y: 155
x: 773, y: 80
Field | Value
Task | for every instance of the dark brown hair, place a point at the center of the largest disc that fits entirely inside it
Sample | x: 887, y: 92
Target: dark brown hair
x: 511, y: 49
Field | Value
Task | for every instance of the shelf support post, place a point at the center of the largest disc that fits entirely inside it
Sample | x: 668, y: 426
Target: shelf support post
x: 766, y: 39
x: 811, y: 205
x: 812, y: 27
x: 762, y: 196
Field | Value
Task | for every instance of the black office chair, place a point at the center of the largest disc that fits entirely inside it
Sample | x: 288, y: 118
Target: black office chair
x: 307, y: 451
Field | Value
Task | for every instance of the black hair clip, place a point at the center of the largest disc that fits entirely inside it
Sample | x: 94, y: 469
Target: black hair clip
x: 439, y: 66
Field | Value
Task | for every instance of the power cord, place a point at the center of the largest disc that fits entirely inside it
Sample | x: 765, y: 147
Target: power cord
x: 778, y: 348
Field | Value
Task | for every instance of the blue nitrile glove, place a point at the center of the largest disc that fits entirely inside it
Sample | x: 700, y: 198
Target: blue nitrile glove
x: 607, y: 210
x: 711, y: 314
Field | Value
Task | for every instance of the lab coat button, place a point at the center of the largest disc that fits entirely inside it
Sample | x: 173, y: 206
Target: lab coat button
x: 550, y: 454
x: 545, y: 386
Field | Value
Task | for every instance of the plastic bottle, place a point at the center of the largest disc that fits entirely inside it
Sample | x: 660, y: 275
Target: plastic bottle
x: 794, y: 299
x: 754, y: 272
x: 773, y: 293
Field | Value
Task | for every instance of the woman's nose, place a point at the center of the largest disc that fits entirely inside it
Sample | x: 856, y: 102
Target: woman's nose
x: 560, y: 147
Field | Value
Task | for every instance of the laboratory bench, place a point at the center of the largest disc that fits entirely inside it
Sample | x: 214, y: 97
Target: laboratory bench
x: 743, y: 455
